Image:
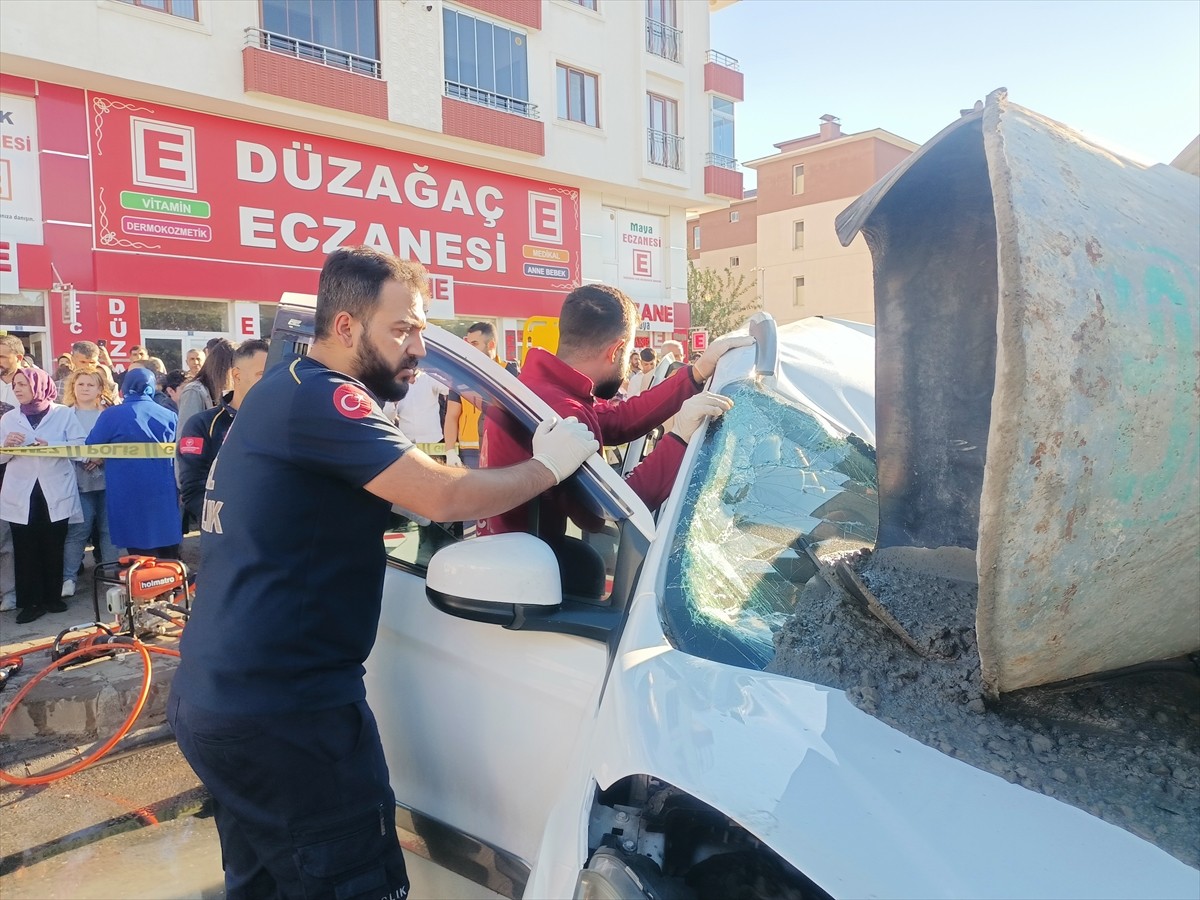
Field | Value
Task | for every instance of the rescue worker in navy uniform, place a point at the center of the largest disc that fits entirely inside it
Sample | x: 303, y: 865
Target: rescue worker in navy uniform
x: 268, y: 702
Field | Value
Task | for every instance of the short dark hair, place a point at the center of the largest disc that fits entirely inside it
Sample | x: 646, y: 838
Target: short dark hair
x: 247, y: 349
x: 351, y: 280
x: 176, y: 379
x: 487, y: 329
x: 86, y: 348
x: 648, y: 354
x: 593, y: 315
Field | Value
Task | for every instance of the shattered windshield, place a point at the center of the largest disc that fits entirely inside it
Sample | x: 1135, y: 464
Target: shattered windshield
x: 774, y: 484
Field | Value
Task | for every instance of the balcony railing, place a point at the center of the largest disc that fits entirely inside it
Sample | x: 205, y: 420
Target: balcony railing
x: 664, y: 40
x: 492, y: 99
x: 722, y: 60
x: 724, y: 162
x: 317, y: 53
x: 664, y: 149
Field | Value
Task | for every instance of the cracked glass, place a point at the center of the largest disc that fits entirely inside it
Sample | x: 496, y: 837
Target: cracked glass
x: 774, y: 485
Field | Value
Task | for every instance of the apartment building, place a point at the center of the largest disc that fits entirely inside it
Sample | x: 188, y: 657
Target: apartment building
x: 782, y: 235
x: 170, y: 168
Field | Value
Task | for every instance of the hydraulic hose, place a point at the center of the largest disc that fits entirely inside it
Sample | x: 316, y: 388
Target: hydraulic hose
x: 87, y: 650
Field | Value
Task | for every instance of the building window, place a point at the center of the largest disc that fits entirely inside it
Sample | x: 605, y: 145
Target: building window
x: 695, y: 237
x: 663, y: 37
x: 577, y: 96
x: 184, y: 9
x: 798, y: 235
x: 721, y: 134
x: 486, y: 63
x: 183, y: 315
x: 334, y: 34
x: 734, y: 262
x: 798, y: 291
x: 665, y: 142
x: 798, y: 179
x: 734, y: 215
x: 586, y: 4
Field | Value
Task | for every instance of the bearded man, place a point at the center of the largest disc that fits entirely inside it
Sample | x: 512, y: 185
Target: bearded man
x: 268, y: 704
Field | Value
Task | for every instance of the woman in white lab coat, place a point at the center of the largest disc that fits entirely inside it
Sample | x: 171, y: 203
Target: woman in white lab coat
x: 40, y: 495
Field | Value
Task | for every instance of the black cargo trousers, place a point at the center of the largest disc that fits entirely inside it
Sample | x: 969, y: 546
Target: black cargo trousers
x: 302, y: 801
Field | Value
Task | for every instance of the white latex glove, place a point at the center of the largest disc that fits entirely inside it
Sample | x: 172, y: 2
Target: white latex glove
x: 696, y: 409
x: 707, y: 363
x: 562, y: 446
x: 452, y: 458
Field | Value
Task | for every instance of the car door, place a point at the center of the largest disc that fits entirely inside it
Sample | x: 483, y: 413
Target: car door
x: 478, y: 721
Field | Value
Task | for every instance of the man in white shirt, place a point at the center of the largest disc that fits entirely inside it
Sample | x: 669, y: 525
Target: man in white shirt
x: 639, y: 381
x: 419, y: 415
x: 12, y: 351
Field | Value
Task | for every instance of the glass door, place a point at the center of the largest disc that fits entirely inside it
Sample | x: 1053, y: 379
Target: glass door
x: 172, y: 346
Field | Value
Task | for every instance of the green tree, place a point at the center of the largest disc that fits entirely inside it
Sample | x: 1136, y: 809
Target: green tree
x: 718, y: 299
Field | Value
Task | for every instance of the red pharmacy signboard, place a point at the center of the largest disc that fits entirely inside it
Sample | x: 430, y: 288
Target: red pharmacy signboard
x: 173, y: 183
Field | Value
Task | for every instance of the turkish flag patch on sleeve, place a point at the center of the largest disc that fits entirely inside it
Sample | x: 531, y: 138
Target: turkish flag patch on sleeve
x: 193, y: 445
x: 352, y: 402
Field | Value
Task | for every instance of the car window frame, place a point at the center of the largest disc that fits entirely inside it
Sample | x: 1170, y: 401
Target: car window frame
x: 464, y: 369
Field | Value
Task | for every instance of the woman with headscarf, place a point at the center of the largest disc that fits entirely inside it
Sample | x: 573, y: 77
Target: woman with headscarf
x: 140, y: 494
x: 39, y: 496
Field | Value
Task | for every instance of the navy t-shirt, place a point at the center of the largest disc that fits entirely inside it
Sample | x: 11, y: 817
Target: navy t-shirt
x: 292, y: 555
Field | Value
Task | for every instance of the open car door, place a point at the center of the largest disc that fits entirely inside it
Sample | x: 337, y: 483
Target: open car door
x: 479, y: 721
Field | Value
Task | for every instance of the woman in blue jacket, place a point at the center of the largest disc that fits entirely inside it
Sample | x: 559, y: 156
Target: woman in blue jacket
x: 140, y: 494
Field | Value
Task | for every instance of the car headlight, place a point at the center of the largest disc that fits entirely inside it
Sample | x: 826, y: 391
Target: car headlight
x: 607, y: 877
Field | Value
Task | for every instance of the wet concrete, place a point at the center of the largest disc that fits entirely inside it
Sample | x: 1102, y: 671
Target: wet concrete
x: 1125, y: 749
x: 177, y: 860
x: 135, y: 826
x: 154, y: 782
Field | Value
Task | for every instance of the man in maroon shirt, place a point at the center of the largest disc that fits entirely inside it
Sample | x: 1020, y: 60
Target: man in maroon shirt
x: 596, y: 329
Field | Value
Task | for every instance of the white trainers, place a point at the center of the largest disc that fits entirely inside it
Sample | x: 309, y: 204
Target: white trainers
x: 68, y: 588
x: 8, y: 604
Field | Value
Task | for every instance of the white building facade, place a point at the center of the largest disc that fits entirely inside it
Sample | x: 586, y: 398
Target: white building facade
x: 169, y: 168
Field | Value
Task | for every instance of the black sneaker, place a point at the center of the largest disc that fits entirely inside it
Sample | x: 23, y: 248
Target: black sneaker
x: 30, y: 614
x: 55, y: 605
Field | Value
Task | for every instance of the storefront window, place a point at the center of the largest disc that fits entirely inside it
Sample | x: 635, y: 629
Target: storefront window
x: 166, y: 349
x: 184, y: 315
x: 25, y: 308
x: 266, y: 318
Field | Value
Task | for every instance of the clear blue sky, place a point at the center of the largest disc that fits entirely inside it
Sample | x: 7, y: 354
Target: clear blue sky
x: 1127, y: 73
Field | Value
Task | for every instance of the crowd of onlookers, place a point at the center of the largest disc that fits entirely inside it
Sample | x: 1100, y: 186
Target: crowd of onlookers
x: 53, y: 507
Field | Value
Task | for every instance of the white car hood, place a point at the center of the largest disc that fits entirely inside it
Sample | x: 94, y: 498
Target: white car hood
x: 859, y: 807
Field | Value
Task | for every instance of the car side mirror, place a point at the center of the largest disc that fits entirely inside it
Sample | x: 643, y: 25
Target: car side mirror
x: 500, y: 579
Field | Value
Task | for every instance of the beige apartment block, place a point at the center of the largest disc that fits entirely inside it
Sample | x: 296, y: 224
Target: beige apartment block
x: 783, y: 235
x: 517, y: 148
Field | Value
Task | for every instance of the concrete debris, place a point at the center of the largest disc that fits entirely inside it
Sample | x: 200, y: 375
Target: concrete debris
x: 1125, y: 748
